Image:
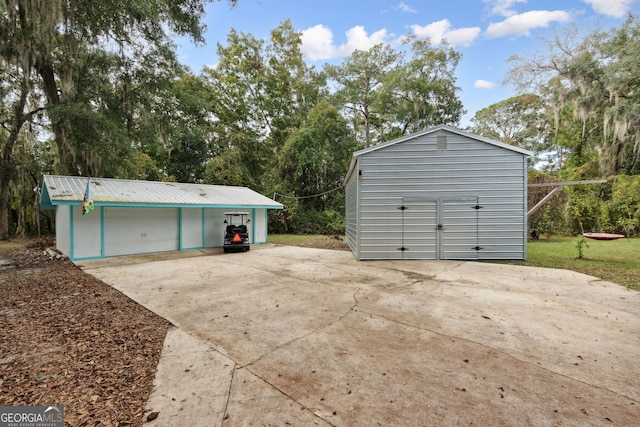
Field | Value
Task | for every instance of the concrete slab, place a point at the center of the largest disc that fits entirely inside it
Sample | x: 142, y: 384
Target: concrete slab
x: 298, y: 336
x: 188, y: 360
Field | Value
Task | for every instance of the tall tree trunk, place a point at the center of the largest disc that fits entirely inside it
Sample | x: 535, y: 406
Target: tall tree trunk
x: 7, y: 166
x: 367, y: 126
x: 5, y: 199
x: 47, y: 74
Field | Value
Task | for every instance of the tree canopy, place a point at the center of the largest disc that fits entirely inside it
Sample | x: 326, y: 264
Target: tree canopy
x: 381, y: 91
x: 93, y: 75
x: 96, y: 89
x: 579, y: 111
x: 596, y: 79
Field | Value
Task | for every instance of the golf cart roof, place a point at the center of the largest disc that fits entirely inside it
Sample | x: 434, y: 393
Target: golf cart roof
x: 236, y: 213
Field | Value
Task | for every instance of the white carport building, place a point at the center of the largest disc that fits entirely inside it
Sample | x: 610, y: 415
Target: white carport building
x: 442, y: 193
x: 133, y: 217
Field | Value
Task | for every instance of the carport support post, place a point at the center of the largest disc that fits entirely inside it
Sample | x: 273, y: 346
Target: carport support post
x: 559, y: 185
x: 545, y: 199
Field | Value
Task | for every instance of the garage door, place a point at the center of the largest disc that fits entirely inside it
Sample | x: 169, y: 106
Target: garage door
x: 140, y: 230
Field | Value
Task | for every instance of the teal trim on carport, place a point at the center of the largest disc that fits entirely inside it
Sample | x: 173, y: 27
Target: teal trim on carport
x: 180, y: 225
x: 47, y: 204
x: 71, y: 235
x: 253, y: 225
x: 202, y: 228
x: 72, y: 249
x: 180, y: 229
x: 181, y: 247
x: 102, y: 247
x: 158, y: 205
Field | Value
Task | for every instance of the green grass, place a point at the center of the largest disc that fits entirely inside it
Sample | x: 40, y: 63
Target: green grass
x: 616, y: 261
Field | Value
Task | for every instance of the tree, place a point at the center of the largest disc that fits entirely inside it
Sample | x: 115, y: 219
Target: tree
x: 383, y: 92
x: 259, y: 92
x: 621, y: 77
x: 183, y: 116
x: 17, y: 105
x: 64, y: 35
x: 426, y: 89
x: 74, y: 60
x: 361, y: 84
x: 316, y: 155
x: 517, y: 121
x: 596, y: 78
x: 311, y: 166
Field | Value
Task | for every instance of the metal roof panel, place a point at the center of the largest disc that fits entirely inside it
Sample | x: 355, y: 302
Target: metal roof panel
x: 108, y: 191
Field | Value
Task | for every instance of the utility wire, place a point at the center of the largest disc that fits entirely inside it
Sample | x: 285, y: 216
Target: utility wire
x: 306, y: 197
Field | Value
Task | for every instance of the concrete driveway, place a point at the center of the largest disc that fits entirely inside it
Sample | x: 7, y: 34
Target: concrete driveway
x: 294, y: 336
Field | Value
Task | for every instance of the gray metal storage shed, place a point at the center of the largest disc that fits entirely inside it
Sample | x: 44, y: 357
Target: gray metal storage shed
x: 132, y: 217
x: 442, y: 193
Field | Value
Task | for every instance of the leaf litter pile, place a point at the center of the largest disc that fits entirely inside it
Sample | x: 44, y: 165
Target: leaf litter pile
x: 66, y: 338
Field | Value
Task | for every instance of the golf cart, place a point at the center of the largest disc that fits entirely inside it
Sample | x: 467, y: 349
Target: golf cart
x: 236, y: 235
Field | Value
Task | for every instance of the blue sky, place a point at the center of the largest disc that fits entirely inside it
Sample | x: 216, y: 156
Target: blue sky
x: 485, y: 32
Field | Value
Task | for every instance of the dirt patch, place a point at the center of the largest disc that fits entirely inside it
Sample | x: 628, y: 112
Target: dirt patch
x: 325, y: 242
x: 69, y: 339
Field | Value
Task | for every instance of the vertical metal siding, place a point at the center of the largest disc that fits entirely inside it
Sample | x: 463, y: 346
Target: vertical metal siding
x: 419, y: 230
x: 468, y: 168
x: 459, y: 232
x: 380, y: 228
x: 351, y: 211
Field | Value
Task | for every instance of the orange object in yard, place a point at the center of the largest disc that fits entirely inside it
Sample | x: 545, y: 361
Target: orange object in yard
x: 603, y: 236
x: 236, y: 238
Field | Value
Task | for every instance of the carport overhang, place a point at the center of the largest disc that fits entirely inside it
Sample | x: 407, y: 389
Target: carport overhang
x: 110, y: 195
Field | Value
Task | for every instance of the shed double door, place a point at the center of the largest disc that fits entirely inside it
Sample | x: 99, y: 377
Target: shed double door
x: 440, y: 228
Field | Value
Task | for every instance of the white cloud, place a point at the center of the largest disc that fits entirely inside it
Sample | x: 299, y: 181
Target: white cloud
x: 483, y: 84
x: 403, y: 7
x: 441, y: 30
x: 521, y: 24
x: 503, y: 7
x: 434, y: 31
x: 615, y: 8
x: 462, y: 36
x: 317, y: 42
x: 357, y: 38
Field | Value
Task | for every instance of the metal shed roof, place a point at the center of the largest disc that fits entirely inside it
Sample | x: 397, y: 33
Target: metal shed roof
x: 431, y: 130
x: 69, y: 190
x: 447, y: 128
